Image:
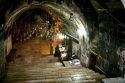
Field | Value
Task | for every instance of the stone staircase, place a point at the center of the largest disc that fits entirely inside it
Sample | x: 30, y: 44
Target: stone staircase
x: 47, y: 70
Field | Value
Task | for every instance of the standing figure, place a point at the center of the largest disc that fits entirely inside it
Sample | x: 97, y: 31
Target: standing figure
x: 57, y: 51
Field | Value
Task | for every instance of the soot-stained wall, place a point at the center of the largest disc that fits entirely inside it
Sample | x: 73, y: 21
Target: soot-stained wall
x: 106, y: 38
x: 2, y: 58
x: 110, y: 45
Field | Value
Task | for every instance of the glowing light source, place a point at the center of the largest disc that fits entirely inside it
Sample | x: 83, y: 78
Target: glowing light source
x: 61, y: 36
x: 81, y: 28
x: 80, y: 31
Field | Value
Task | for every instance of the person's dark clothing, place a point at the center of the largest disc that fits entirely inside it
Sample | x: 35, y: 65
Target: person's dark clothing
x: 57, y: 52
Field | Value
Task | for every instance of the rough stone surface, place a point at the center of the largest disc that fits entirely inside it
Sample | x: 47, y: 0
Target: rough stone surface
x: 114, y: 80
x: 2, y: 58
x: 106, y: 34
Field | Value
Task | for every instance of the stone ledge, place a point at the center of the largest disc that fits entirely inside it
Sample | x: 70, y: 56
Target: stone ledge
x: 114, y: 80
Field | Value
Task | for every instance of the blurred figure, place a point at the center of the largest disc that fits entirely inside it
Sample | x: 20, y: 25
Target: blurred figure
x: 57, y: 51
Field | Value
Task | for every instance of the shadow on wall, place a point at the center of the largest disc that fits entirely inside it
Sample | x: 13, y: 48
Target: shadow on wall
x: 2, y: 58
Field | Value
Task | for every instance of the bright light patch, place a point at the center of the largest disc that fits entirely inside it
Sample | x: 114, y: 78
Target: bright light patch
x: 81, y: 29
x: 123, y: 2
x: 80, y: 32
x: 41, y: 35
x: 61, y: 36
x: 65, y: 36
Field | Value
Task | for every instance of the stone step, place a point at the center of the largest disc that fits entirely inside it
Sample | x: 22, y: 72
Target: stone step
x: 29, y: 66
x: 59, y: 69
x: 60, y: 80
x: 37, y: 64
x: 47, y: 77
x: 36, y: 76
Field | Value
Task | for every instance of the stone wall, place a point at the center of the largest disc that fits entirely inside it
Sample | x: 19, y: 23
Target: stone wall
x: 111, y: 39
x: 107, y: 40
x: 106, y: 37
x: 2, y: 58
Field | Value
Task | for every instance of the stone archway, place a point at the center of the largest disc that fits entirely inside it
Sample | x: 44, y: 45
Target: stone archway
x: 70, y: 26
x: 63, y: 13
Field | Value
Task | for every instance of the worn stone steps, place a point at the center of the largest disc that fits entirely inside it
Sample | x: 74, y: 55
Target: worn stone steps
x: 49, y: 72
x: 54, y: 75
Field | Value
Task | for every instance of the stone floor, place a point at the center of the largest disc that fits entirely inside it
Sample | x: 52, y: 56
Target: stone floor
x: 46, y: 69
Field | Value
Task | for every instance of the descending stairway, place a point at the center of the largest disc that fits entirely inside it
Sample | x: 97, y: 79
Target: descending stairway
x: 47, y: 70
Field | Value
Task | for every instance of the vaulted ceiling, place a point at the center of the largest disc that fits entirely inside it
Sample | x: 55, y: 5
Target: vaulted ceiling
x: 10, y: 11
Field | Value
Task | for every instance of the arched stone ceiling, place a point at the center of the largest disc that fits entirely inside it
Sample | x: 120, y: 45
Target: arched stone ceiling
x: 69, y: 26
